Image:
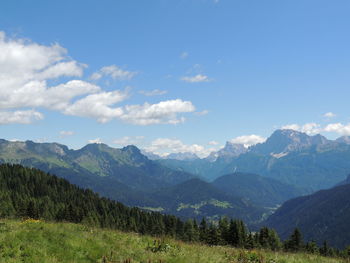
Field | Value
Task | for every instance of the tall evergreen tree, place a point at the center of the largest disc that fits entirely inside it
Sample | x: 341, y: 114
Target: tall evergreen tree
x: 295, y: 242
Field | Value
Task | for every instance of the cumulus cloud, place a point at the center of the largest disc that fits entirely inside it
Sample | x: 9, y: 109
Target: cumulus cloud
x: 315, y: 128
x: 22, y: 117
x: 248, y: 140
x: 27, y: 69
x: 162, y: 112
x: 165, y: 146
x: 66, y: 133
x: 195, y: 79
x: 98, y: 106
x: 129, y: 140
x: 329, y: 115
x: 155, y: 92
x: 114, y: 72
x: 338, y: 128
x: 308, y: 128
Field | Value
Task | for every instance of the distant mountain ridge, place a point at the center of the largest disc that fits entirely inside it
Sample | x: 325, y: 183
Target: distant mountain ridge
x: 289, y: 156
x: 126, y: 175
x: 230, y: 150
x: 285, y: 141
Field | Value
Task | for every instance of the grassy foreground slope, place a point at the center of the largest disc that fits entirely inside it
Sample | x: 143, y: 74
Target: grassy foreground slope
x: 37, y: 241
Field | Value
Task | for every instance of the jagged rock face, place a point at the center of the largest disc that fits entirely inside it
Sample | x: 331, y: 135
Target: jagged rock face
x: 229, y: 151
x: 344, y: 139
x: 282, y: 141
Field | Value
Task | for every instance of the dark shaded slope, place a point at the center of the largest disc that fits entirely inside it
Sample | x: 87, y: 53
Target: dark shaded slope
x: 196, y: 198
x: 324, y: 215
x: 259, y: 190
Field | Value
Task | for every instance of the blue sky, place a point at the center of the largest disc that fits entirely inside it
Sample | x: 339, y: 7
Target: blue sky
x: 184, y: 75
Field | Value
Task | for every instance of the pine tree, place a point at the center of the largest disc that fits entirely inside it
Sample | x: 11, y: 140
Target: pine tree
x: 224, y: 230
x: 237, y: 233
x: 213, y: 237
x: 295, y: 242
x: 203, y: 231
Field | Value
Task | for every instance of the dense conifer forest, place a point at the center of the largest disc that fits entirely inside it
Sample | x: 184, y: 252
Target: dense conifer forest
x: 31, y: 193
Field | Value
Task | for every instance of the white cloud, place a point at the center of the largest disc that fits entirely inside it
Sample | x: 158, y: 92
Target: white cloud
x: 155, y: 92
x: 129, y: 140
x: 338, y: 128
x: 329, y: 115
x: 114, y: 72
x: 22, y: 117
x: 295, y: 127
x: 26, y: 69
x: 97, y: 140
x: 311, y: 128
x: 248, y: 140
x: 162, y: 112
x: 315, y: 128
x: 98, y: 106
x: 66, y: 133
x: 308, y: 128
x: 213, y: 143
x: 184, y: 55
x: 197, y: 78
x: 165, y: 146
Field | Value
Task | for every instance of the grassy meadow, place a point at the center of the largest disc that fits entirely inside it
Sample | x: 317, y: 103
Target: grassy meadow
x: 37, y: 241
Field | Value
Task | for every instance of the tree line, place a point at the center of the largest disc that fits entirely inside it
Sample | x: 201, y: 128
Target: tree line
x: 28, y: 192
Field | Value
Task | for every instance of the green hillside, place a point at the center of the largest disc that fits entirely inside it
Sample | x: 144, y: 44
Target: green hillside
x: 43, y: 242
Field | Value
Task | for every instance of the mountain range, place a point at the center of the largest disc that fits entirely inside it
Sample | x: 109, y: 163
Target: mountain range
x: 126, y: 175
x: 308, y: 162
x: 248, y: 183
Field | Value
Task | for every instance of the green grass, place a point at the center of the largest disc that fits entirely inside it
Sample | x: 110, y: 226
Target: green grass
x: 36, y: 242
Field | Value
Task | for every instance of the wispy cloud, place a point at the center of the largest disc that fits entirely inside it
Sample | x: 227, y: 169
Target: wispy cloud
x: 196, y: 79
x: 114, y: 72
x: 66, y: 133
x: 155, y: 92
x: 201, y: 113
x: 329, y: 115
x: 22, y: 117
x: 128, y: 140
x: 184, y: 55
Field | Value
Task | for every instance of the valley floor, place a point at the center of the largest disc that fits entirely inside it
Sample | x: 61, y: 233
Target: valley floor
x: 36, y: 241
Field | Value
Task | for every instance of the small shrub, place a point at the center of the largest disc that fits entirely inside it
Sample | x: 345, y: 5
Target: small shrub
x: 159, y: 246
